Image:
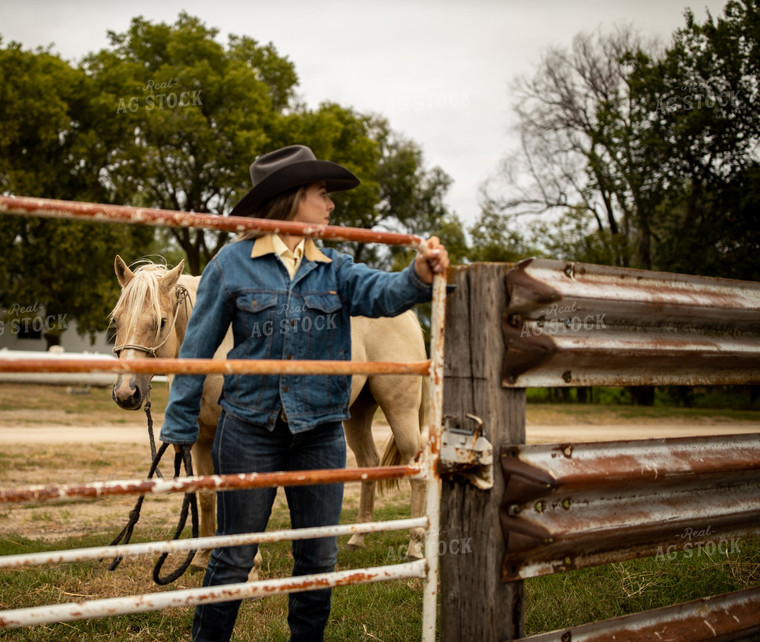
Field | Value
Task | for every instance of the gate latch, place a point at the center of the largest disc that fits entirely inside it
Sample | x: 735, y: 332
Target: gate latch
x: 466, y: 453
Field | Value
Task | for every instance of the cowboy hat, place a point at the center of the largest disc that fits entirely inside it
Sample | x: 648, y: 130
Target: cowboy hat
x: 287, y: 168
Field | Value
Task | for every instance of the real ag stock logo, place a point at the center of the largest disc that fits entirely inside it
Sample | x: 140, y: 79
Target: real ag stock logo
x: 171, y: 96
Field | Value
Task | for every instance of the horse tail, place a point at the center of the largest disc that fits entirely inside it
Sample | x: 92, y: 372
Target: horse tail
x: 391, y: 457
x: 424, y: 408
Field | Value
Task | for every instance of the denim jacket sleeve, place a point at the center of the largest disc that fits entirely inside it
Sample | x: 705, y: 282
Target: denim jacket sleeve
x: 376, y: 293
x: 205, y: 332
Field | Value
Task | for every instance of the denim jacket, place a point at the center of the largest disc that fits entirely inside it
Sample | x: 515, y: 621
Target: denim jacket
x: 274, y: 317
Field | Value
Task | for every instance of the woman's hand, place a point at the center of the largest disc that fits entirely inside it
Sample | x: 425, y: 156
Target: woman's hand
x: 432, y: 260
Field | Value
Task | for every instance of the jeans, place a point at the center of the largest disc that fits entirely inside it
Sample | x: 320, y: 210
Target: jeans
x: 241, y: 447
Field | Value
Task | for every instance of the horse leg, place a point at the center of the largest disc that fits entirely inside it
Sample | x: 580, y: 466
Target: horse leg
x: 359, y: 438
x: 403, y: 415
x: 203, y: 465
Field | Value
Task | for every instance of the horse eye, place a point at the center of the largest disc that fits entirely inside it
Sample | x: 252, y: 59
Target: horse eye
x: 163, y: 323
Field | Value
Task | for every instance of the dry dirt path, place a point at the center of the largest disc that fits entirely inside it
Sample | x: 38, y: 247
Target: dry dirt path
x: 536, y: 433
x: 53, y: 453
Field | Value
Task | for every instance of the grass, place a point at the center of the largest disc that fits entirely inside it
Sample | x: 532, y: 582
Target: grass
x: 561, y: 414
x: 570, y: 599
x: 388, y: 611
x: 71, y: 406
x: 94, y: 405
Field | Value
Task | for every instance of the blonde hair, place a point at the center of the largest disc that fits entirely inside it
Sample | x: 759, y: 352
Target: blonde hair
x: 282, y: 207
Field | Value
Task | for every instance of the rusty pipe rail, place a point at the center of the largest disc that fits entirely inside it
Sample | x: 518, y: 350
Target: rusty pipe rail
x: 208, y: 482
x: 576, y: 505
x: 103, y: 213
x: 213, y: 366
x: 204, y: 543
x: 575, y: 324
x: 206, y: 595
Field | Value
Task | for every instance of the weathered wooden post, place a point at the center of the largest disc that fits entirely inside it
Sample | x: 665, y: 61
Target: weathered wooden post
x: 475, y: 603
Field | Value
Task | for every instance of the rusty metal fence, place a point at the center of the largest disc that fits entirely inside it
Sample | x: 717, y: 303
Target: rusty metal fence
x: 529, y: 510
x: 557, y: 507
x: 426, y: 569
x: 573, y: 505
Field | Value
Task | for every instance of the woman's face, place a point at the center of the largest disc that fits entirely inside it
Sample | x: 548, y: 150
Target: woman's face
x: 315, y: 205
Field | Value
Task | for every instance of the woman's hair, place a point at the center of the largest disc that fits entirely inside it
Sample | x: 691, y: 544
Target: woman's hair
x: 282, y: 207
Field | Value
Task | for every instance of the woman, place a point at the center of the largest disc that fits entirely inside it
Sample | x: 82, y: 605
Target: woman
x: 285, y: 299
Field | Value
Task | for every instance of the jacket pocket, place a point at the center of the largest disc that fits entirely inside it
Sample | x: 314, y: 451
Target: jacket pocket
x: 325, y: 303
x: 255, y: 316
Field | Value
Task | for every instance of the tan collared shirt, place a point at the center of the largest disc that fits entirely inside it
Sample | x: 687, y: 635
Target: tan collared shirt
x: 273, y: 244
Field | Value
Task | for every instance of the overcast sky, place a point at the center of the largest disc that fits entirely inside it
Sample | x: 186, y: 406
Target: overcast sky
x: 439, y: 71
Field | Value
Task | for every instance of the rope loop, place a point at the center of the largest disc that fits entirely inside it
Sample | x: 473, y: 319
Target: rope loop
x: 189, y: 505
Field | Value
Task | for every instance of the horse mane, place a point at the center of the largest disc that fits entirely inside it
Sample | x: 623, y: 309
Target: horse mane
x: 143, y: 287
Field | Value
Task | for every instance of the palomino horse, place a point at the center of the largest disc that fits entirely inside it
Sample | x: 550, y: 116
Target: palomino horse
x: 150, y: 319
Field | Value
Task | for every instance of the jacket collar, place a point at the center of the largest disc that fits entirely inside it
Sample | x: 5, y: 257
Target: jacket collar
x: 264, y: 245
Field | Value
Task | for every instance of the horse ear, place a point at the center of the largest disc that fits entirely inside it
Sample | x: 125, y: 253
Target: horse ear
x: 171, y: 278
x: 123, y: 273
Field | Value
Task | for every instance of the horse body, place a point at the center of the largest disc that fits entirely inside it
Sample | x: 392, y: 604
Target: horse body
x: 154, y: 309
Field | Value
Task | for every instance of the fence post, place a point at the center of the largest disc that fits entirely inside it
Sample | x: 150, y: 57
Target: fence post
x: 475, y: 603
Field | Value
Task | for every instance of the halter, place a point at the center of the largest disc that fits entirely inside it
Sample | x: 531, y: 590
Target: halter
x: 182, y: 297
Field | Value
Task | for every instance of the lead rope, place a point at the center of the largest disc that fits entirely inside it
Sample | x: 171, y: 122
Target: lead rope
x: 189, y: 504
x: 151, y: 438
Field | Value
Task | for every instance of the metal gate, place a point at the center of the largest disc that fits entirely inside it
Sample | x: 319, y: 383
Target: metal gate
x: 426, y: 569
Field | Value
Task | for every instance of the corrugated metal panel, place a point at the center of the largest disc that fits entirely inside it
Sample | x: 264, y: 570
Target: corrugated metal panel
x: 575, y: 505
x: 575, y: 324
x: 724, y: 618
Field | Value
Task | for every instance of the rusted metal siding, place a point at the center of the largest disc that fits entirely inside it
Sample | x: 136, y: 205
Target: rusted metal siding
x: 732, y: 616
x: 575, y: 324
x: 574, y: 505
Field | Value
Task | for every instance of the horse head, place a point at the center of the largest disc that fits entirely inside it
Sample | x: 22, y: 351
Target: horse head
x: 145, y: 319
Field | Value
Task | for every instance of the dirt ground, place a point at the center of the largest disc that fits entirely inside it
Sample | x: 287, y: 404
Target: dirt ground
x: 37, y: 449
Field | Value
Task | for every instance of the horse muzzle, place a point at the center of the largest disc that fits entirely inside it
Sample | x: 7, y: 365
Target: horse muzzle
x: 126, y: 395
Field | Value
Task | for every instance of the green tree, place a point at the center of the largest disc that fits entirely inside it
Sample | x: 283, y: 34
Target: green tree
x: 168, y: 117
x: 45, y: 151
x: 583, y: 148
x: 496, y: 237
x: 644, y: 156
x: 239, y: 103
x: 398, y: 193
x: 702, y: 96
x: 188, y: 111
